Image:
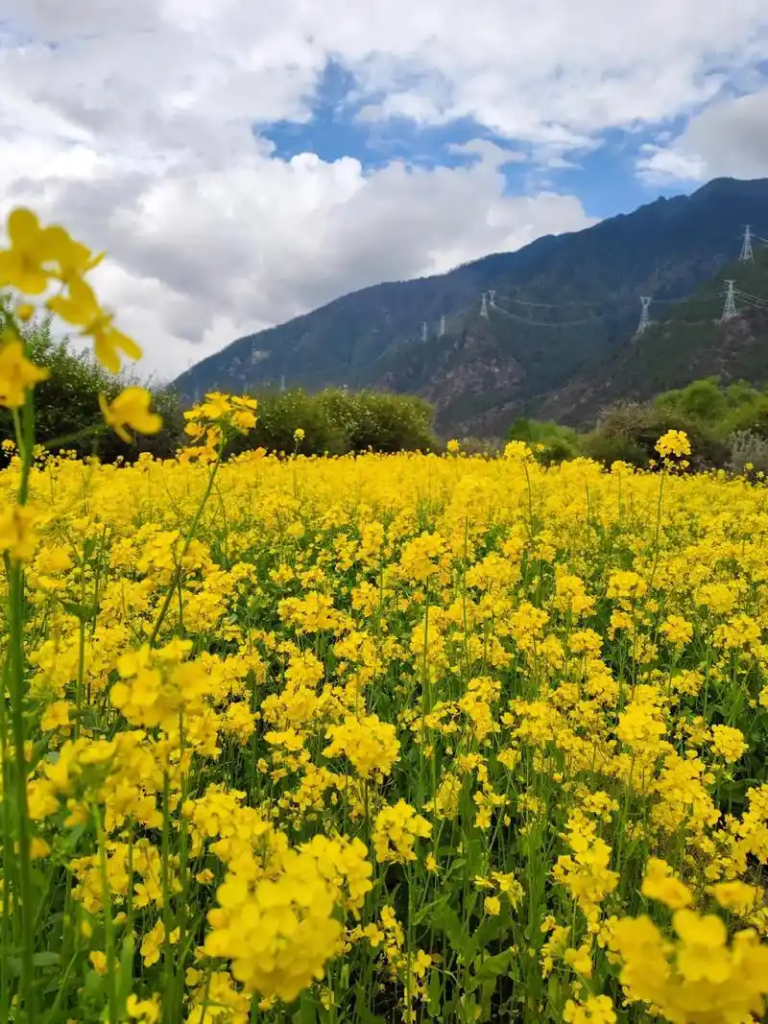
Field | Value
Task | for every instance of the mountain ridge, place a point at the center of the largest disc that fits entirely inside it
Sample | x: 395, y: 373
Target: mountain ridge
x: 507, y: 362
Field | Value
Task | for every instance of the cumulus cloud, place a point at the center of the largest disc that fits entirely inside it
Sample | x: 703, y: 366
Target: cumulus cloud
x: 728, y: 139
x: 141, y: 125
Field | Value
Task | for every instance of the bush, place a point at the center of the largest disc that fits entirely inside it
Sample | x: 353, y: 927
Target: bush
x: 703, y: 400
x: 339, y: 421
x: 278, y: 417
x: 609, y: 448
x: 629, y: 432
x: 381, y: 421
x: 748, y: 449
x: 550, y: 441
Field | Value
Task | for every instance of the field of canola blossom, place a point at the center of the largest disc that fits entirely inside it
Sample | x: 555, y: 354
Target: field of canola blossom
x: 371, y: 739
x: 417, y: 738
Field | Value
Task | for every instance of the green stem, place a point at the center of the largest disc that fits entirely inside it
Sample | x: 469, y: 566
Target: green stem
x: 15, y: 572
x: 175, y: 582
x: 109, y: 928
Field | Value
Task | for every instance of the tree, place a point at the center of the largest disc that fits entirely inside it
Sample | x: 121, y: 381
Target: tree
x: 67, y: 411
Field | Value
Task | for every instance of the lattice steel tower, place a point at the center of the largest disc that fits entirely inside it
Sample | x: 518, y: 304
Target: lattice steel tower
x: 645, y: 316
x: 729, y: 309
x: 747, y: 253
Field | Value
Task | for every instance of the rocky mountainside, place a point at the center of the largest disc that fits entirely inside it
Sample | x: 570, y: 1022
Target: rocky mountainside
x: 687, y: 341
x: 562, y: 305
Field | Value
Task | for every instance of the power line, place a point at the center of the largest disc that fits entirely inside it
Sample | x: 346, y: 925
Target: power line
x: 754, y: 298
x: 547, y: 323
x: 552, y: 305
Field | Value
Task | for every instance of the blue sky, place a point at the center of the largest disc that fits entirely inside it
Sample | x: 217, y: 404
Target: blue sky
x: 242, y: 163
x: 604, y: 178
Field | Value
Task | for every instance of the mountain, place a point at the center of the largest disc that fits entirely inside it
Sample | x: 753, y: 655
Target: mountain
x: 561, y: 304
x: 688, y: 341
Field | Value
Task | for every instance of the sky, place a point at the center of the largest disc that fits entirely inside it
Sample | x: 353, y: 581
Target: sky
x: 245, y: 161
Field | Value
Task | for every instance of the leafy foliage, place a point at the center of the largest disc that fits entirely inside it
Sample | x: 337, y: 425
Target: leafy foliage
x: 629, y: 432
x: 551, y: 441
x: 338, y: 421
x: 67, y: 413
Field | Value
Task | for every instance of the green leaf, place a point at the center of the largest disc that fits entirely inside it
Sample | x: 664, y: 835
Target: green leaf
x: 125, y: 969
x: 307, y: 1011
x: 83, y: 612
x: 491, y: 966
x: 435, y: 992
x: 447, y: 921
x: 46, y: 958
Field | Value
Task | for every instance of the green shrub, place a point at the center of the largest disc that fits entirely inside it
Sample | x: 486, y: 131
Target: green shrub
x: 629, y: 431
x: 550, y: 441
x: 338, y: 421
x: 384, y: 422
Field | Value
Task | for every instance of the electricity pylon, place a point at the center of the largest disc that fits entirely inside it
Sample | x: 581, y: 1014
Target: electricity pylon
x: 729, y: 309
x: 746, y: 246
x: 645, y: 316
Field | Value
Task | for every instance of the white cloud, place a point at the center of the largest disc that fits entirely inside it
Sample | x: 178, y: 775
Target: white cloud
x: 728, y: 139
x: 133, y: 122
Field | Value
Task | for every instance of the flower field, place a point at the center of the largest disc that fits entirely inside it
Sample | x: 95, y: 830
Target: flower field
x: 391, y: 738
x: 369, y: 739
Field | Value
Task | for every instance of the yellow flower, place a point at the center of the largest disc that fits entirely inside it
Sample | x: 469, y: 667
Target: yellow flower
x: 17, y: 374
x: 395, y: 831
x: 594, y: 1010
x: 81, y: 309
x: 736, y: 896
x: 146, y: 1011
x: 23, y: 265
x: 492, y: 905
x: 660, y: 885
x: 99, y: 961
x: 728, y: 742
x: 131, y: 409
x: 56, y: 716
x: 17, y: 532
x: 298, y: 435
x: 452, y: 446
x: 674, y: 442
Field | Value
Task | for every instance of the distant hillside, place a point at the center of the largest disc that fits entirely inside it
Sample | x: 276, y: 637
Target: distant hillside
x: 687, y: 342
x: 562, y: 303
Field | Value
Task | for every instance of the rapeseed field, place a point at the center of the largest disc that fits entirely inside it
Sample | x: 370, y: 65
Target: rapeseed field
x: 373, y: 738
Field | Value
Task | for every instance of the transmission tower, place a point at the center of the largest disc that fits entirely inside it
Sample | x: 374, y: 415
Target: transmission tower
x: 729, y: 309
x: 484, y: 306
x: 492, y: 295
x: 746, y: 246
x: 424, y: 331
x: 645, y: 316
x: 282, y: 382
x: 441, y: 331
